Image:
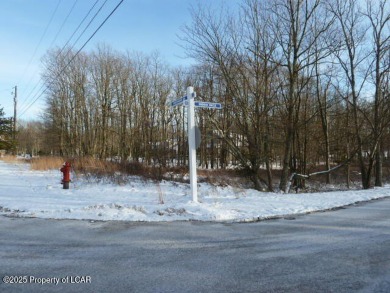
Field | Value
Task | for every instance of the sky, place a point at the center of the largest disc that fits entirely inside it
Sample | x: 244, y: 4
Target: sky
x: 29, y: 28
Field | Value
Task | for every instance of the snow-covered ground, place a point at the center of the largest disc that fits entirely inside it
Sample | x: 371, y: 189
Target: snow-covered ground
x: 27, y: 193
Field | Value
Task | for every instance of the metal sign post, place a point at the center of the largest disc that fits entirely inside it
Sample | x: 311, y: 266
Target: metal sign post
x: 189, y: 101
x: 191, y: 143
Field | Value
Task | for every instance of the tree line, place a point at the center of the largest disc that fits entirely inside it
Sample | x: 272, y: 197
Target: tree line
x: 304, y: 86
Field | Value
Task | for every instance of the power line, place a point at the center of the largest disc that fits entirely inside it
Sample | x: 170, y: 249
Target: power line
x: 63, y: 23
x: 41, y: 39
x: 94, y: 33
x: 54, y: 39
x: 62, y: 49
x: 62, y: 70
x: 89, y: 23
x: 78, y: 27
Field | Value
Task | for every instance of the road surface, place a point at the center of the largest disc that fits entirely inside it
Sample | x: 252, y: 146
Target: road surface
x: 346, y: 250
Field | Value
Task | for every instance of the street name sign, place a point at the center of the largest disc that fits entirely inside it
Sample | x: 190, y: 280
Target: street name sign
x: 208, y: 105
x: 179, y: 101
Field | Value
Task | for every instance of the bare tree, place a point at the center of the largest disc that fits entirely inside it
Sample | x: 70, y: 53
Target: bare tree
x: 293, y: 26
x: 102, y: 76
x: 378, y: 14
x: 352, y: 56
x: 239, y: 49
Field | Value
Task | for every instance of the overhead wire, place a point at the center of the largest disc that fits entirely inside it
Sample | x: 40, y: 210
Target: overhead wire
x: 26, y: 101
x: 74, y: 56
x: 87, y: 26
x: 55, y: 38
x: 94, y: 33
x: 41, y: 39
x: 63, y: 23
x: 81, y: 34
x: 39, y: 93
x: 78, y: 27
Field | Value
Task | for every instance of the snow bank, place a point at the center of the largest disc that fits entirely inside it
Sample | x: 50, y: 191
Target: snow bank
x: 26, y: 193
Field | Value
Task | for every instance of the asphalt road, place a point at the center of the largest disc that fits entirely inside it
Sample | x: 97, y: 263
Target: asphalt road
x: 347, y: 250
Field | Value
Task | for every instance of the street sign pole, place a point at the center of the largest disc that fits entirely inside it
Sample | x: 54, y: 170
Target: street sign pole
x: 191, y: 143
x: 189, y: 101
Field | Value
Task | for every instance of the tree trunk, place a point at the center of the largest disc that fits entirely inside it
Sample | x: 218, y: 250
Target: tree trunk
x: 286, y: 159
x: 378, y: 167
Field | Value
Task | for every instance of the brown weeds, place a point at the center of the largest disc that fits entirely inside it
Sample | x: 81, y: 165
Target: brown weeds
x: 46, y: 163
x: 9, y: 159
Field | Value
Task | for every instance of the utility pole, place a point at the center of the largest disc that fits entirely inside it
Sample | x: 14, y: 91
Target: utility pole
x: 15, y: 104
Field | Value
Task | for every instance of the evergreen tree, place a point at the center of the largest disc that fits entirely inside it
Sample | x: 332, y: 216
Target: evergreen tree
x: 7, y: 141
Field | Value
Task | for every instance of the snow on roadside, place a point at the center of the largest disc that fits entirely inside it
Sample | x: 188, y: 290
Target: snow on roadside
x: 27, y: 193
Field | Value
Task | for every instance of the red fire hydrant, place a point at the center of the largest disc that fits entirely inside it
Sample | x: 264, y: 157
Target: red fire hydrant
x: 66, y: 175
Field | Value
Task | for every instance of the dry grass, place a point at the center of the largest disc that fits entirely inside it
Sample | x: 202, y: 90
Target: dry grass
x: 9, y: 159
x: 118, y: 172
x: 46, y: 163
x: 89, y: 165
x: 94, y: 167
